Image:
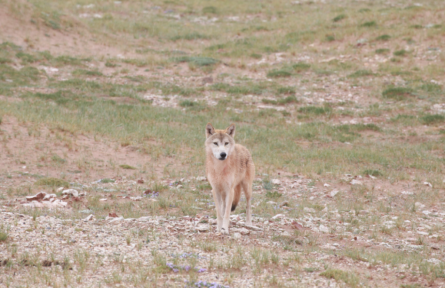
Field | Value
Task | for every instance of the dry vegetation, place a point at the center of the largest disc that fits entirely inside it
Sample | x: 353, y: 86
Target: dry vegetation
x: 341, y: 103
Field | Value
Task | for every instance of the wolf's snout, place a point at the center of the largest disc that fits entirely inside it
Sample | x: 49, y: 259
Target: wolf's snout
x: 223, y: 155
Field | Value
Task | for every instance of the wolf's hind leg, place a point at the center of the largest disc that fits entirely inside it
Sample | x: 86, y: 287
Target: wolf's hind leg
x: 247, y: 187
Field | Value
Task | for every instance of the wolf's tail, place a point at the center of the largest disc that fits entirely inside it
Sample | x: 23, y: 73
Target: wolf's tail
x: 236, y: 197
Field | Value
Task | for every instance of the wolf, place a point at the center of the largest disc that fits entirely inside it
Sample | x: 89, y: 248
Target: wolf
x: 229, y: 168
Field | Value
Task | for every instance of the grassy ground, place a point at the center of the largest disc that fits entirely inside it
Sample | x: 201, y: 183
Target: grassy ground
x: 325, y: 92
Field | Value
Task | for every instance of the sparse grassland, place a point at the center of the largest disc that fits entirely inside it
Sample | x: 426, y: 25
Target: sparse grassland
x: 341, y: 104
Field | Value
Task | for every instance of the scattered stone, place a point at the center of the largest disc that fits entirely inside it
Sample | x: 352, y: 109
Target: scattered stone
x: 428, y: 184
x: 309, y: 210
x: 419, y: 205
x: 407, y: 193
x: 141, y: 181
x: 89, y: 218
x: 323, y: 229
x: 236, y: 235
x: 334, y: 192
x: 276, y: 181
x: 202, y: 228
x: 252, y: 227
x: 279, y: 216
x: 71, y: 192
x: 326, y: 185
x: 112, y: 215
x: 39, y: 196
x: 244, y: 231
x: 297, y: 226
x: 356, y: 182
x: 285, y: 234
x: 284, y: 204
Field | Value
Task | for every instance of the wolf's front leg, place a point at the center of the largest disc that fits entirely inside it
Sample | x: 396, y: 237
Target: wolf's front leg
x: 219, y: 210
x: 228, y: 205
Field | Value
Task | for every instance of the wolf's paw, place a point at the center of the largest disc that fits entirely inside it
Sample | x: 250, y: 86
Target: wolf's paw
x: 225, y: 231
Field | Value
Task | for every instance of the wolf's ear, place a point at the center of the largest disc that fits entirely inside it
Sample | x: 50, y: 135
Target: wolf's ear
x: 231, y: 130
x: 209, y: 130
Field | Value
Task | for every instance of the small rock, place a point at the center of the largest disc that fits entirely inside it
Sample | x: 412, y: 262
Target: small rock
x: 48, y: 197
x: 428, y: 184
x: 103, y: 199
x: 284, y: 204
x: 86, y: 211
x: 356, y: 182
x: 276, y: 181
x: 201, y: 178
x: 60, y: 189
x: 407, y: 193
x: 326, y: 185
x: 279, y: 216
x: 434, y: 261
x: 253, y: 227
x: 323, y: 229
x: 82, y: 194
x: 136, y: 198
x: 285, y: 234
x: 236, y: 235
x: 71, y: 192
x: 244, y: 231
x: 419, y: 205
x: 39, y: 196
x: 202, y: 228
x: 334, y: 192
x: 141, y: 181
x: 116, y: 219
x: 309, y: 210
x: 112, y: 215
x: 89, y: 218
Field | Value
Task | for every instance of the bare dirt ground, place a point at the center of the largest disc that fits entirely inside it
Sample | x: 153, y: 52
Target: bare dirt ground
x: 101, y: 176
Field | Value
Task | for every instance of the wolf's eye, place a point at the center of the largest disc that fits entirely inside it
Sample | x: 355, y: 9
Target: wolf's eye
x: 215, y: 143
x: 227, y: 143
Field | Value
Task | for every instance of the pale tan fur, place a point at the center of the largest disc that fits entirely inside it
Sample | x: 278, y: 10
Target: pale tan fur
x: 229, y: 176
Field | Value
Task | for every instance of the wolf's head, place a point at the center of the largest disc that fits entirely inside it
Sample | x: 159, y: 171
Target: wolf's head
x: 220, y: 142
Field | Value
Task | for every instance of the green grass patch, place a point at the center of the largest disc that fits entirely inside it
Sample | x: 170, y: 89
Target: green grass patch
x: 431, y: 88
x: 196, y: 60
x: 400, y: 53
x: 56, y: 158
x: 13, y: 77
x: 273, y: 195
x: 276, y: 73
x: 384, y: 37
x: 432, y: 119
x: 284, y: 101
x: 82, y: 72
x: 248, y: 88
x: 3, y: 235
x: 361, y: 73
x: 398, y: 93
x: 338, y: 18
x: 126, y: 166
x: 286, y: 90
x: 382, y: 51
x: 301, y: 67
x: 339, y: 275
x: 372, y: 172
x: 210, y: 10
x: 190, y: 36
x: 315, y: 110
x: 369, y: 24
x: 52, y: 182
